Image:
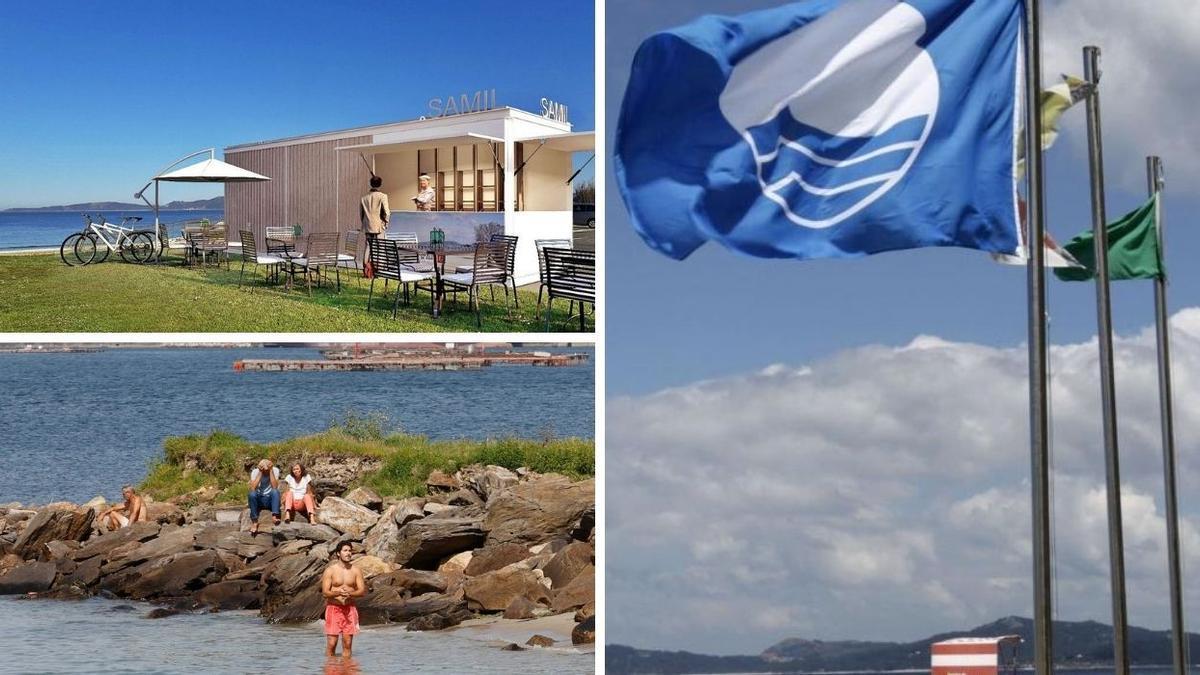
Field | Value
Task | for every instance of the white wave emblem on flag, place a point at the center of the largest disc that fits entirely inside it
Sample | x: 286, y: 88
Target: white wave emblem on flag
x: 836, y: 112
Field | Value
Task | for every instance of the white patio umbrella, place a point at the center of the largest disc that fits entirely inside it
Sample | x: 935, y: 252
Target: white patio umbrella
x: 211, y: 170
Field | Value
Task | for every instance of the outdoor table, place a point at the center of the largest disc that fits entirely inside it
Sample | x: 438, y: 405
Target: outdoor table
x: 439, y: 252
x: 284, y: 249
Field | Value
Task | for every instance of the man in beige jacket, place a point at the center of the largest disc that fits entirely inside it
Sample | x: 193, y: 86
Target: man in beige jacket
x: 374, y: 211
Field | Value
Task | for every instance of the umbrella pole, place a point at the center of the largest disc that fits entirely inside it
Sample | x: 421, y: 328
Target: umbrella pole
x: 157, y: 232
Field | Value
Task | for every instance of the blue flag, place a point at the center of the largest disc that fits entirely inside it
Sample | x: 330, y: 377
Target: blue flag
x: 826, y: 129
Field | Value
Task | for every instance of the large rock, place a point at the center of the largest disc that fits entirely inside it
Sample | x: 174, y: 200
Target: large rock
x: 409, y: 510
x: 103, y: 545
x: 422, y: 544
x: 175, y: 576
x: 85, y: 575
x: 520, y: 608
x: 382, y: 539
x: 226, y: 595
x: 417, y: 582
x: 32, y: 577
x: 372, y: 566
x: 334, y: 475
x: 294, y: 530
x: 576, y: 594
x: 585, y: 632
x: 494, y: 557
x: 494, y: 591
x: 422, y: 605
x: 347, y: 517
x: 170, y: 541
x: 306, y: 605
x: 54, y: 523
x: 365, y: 497
x: 438, y: 481
x: 164, y: 513
x: 569, y: 562
x: 486, y: 481
x: 537, y: 510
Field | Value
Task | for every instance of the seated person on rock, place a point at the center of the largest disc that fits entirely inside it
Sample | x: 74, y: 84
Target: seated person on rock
x: 264, y: 492
x: 341, y: 584
x: 300, y: 496
x: 134, y: 511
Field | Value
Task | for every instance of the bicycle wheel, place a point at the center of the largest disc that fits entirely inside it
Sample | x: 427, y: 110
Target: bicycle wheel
x: 67, y: 250
x: 140, y: 248
x: 86, y: 250
x: 102, y: 250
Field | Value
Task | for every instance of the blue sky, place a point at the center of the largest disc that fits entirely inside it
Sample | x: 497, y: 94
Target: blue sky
x: 94, y: 97
x: 838, y: 449
x: 719, y: 313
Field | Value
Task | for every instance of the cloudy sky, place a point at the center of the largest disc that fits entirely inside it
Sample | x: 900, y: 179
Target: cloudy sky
x: 839, y: 449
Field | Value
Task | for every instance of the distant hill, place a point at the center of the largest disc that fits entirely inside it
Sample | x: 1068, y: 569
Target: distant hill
x: 214, y: 204
x: 1076, y: 643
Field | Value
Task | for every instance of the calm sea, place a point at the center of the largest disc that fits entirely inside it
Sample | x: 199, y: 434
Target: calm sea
x: 78, y: 425
x: 38, y: 229
x: 106, y: 636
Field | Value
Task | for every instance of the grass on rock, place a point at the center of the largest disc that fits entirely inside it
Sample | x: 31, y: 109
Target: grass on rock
x: 41, y: 294
x: 218, y: 459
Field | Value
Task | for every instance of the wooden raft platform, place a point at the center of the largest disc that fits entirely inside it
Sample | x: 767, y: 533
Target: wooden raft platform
x: 448, y: 362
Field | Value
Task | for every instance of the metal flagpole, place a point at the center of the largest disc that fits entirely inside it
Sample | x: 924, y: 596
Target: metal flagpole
x: 1178, y: 636
x: 1043, y: 652
x: 1108, y: 395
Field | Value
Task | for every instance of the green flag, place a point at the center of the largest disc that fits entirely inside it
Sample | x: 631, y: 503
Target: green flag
x: 1132, y: 249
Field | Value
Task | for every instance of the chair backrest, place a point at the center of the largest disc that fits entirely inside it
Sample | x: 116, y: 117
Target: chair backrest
x: 249, y: 248
x: 511, y: 240
x: 322, y: 248
x: 404, y: 238
x: 408, y: 257
x: 571, y: 274
x: 350, y: 243
x: 492, y: 262
x: 385, y: 258
x: 540, y: 245
x: 216, y: 235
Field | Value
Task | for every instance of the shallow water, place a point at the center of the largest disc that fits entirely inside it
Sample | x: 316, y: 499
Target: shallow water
x: 78, y: 425
x: 98, y: 636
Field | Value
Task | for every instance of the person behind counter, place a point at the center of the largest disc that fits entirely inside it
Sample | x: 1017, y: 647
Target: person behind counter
x: 424, y: 198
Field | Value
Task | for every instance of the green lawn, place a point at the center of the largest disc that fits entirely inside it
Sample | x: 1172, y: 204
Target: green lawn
x: 38, y: 293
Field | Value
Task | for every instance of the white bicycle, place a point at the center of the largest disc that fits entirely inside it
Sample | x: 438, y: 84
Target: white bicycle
x: 98, y: 239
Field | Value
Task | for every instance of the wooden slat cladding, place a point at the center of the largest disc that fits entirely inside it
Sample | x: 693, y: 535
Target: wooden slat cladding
x: 312, y: 185
x: 353, y: 182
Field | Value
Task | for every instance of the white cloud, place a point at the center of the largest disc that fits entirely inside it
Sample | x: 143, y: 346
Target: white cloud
x: 1148, y: 56
x: 883, y: 494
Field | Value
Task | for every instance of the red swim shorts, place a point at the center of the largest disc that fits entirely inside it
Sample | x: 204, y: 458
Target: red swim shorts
x: 341, y: 620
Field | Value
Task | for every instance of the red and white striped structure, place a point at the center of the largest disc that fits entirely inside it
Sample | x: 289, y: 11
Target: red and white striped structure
x: 969, y: 655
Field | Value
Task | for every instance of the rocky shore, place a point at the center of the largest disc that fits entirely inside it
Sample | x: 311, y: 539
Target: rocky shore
x: 485, y: 541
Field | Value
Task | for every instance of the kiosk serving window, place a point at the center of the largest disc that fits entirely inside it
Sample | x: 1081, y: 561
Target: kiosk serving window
x: 465, y: 177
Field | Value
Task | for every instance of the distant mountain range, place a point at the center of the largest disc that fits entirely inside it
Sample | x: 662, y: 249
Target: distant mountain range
x: 1076, y: 643
x: 214, y: 204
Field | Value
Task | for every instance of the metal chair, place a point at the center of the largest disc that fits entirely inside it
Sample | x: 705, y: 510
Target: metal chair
x: 570, y: 274
x: 540, y: 245
x: 389, y: 261
x: 320, y: 253
x: 511, y: 240
x: 280, y: 240
x: 250, y: 254
x: 349, y: 252
x: 215, y: 241
x: 492, y: 261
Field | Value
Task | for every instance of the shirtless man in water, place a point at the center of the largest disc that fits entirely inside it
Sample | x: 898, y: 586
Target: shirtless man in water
x: 341, y: 584
x: 134, y: 511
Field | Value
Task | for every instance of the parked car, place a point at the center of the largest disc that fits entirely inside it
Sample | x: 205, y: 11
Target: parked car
x: 585, y: 214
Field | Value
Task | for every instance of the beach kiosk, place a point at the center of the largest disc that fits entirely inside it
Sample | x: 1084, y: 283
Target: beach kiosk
x: 494, y: 170
x: 974, y: 656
